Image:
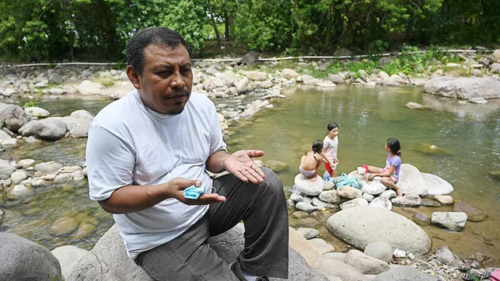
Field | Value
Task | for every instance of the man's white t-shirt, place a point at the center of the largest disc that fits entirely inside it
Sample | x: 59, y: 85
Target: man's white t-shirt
x: 129, y: 144
x: 331, y: 147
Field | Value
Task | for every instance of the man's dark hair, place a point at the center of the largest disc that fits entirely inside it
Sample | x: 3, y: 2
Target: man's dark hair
x: 154, y: 35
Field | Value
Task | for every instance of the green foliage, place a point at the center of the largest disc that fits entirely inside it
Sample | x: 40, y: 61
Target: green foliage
x: 30, y: 104
x: 44, y: 30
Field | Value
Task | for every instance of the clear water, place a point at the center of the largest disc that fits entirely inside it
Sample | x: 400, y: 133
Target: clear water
x: 367, y: 117
x: 470, y: 134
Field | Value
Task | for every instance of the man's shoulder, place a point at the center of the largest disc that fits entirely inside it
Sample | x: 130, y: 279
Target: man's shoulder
x: 116, y: 112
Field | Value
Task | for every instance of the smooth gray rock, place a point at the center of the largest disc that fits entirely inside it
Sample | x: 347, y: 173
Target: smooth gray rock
x: 436, y: 185
x: 48, y: 129
x: 321, y: 245
x: 6, y: 169
x: 13, y: 117
x: 381, y: 202
x: 48, y: 167
x: 68, y: 256
x: 21, y: 259
x: 250, y: 58
x: 330, y: 196
x: 464, y: 88
x: 363, y: 225
x: 308, y: 233
x: 306, y: 207
x: 411, y: 180
x: 354, y: 203
x: 308, y: 186
x: 108, y: 259
x: 364, y: 263
x: 445, y: 256
x: 380, y: 250
x: 410, y: 200
x: 405, y: 273
x: 450, y: 220
x: 373, y: 187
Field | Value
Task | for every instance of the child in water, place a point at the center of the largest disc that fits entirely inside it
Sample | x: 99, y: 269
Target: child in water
x: 330, y: 147
x: 309, y: 163
x: 390, y: 174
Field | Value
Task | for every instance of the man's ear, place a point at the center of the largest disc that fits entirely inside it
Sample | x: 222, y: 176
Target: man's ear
x: 133, y: 76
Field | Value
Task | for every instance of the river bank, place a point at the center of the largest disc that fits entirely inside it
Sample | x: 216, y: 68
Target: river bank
x: 265, y: 84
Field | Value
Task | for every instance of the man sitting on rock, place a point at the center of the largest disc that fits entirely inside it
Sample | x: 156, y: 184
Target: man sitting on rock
x: 146, y: 148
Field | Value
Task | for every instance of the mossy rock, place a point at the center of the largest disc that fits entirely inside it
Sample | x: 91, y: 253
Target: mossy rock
x: 431, y: 149
x: 495, y: 174
x: 276, y: 166
x: 63, y: 226
x: 83, y: 231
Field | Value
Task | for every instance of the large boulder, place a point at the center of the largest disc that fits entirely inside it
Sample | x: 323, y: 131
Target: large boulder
x: 363, y: 225
x: 436, y: 185
x: 464, y: 88
x: 21, y: 259
x: 411, y: 180
x: 89, y: 88
x: 364, y: 263
x: 450, y: 220
x: 13, y: 117
x: 250, y: 58
x: 48, y: 129
x: 405, y: 273
x: 108, y: 259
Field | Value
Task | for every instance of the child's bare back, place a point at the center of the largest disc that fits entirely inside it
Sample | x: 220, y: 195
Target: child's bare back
x: 310, y: 161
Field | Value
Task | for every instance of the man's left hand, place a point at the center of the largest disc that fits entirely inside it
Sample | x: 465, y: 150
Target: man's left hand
x: 241, y: 165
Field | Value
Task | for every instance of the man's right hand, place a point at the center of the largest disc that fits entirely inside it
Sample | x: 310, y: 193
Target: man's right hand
x: 176, y: 190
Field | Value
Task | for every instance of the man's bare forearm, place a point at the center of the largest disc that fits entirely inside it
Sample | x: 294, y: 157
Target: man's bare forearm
x: 133, y: 198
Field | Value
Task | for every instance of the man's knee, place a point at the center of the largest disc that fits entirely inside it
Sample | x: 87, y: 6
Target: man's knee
x: 273, y: 182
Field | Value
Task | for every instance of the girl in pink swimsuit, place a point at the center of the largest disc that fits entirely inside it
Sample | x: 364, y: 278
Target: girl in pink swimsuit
x: 309, y: 163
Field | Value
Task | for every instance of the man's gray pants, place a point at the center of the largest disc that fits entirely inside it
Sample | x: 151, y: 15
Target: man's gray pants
x: 263, y: 210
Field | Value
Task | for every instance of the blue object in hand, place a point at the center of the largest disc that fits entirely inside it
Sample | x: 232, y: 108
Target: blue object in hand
x: 194, y: 192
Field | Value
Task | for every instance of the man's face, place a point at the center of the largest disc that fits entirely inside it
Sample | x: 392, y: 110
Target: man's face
x: 166, y: 80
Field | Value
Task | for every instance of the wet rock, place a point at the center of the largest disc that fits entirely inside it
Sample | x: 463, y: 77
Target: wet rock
x: 308, y: 233
x: 354, y: 203
x: 48, y: 167
x: 421, y: 219
x: 19, y: 191
x: 414, y: 105
x: 296, y: 197
x: 444, y: 199
x: 22, y: 259
x: 276, y: 166
x: 473, y: 213
x: 36, y: 112
x: 431, y: 149
x: 6, y: 169
x: 307, y: 186
x: 450, y: 220
x: 306, y: 207
x: 83, y: 231
x: 48, y: 129
x: 63, y: 226
x: 62, y: 178
x: 380, y: 250
x: 300, y: 214
x: 495, y: 174
x: 25, y: 163
x: 363, y: 225
x: 429, y: 203
x: 18, y: 176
